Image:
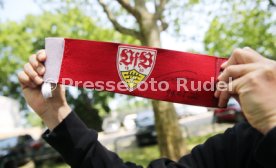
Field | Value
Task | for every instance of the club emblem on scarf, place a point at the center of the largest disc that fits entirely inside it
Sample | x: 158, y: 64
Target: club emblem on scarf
x: 135, y: 64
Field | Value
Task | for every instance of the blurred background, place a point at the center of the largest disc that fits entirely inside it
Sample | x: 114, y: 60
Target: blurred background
x: 131, y: 126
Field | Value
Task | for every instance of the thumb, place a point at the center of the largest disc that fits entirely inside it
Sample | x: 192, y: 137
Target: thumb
x: 58, y: 94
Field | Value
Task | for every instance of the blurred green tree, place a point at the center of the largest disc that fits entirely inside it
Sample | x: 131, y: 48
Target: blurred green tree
x: 248, y: 23
x: 19, y: 39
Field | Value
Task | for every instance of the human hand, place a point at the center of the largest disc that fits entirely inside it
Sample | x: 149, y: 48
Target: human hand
x: 254, y: 85
x: 52, y: 110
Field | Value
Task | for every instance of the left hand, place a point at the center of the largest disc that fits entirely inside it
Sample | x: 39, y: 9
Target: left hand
x: 254, y: 85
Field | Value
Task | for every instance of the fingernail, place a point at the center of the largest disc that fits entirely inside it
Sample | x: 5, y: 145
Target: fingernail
x: 223, y: 64
x: 38, y: 80
x: 219, y: 77
x: 39, y: 56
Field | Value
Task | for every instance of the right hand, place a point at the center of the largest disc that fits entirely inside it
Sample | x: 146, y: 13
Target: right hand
x: 52, y: 110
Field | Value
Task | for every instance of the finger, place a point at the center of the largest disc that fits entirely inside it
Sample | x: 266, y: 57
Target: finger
x: 40, y: 69
x: 57, y: 89
x: 236, y: 71
x: 223, y: 65
x: 25, y: 80
x: 28, y: 69
x: 37, y: 66
x: 33, y: 60
x: 242, y: 56
x: 246, y: 83
x: 224, y: 98
x: 221, y: 93
x: 234, y: 87
x: 41, y: 55
x: 217, y: 93
x: 252, y: 51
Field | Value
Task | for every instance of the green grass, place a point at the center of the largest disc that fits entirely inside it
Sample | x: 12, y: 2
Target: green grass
x: 141, y: 156
x: 53, y: 165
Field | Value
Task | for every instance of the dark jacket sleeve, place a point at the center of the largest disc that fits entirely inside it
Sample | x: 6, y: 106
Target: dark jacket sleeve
x: 241, y: 146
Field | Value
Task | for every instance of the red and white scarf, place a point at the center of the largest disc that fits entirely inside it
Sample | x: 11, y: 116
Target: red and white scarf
x: 98, y: 65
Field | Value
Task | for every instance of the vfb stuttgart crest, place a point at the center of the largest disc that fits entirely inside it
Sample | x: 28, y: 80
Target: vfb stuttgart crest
x: 135, y: 64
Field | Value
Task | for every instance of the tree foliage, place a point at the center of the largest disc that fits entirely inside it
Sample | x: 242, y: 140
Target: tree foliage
x: 251, y: 24
x: 19, y: 40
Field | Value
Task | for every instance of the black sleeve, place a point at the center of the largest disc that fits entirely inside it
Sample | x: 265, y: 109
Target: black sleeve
x: 241, y: 146
x: 79, y: 146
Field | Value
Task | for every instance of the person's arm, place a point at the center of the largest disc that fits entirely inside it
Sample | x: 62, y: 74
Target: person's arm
x: 240, y: 146
x: 80, y: 147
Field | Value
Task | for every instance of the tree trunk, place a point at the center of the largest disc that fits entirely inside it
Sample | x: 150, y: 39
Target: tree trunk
x: 169, y: 134
x: 170, y: 140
